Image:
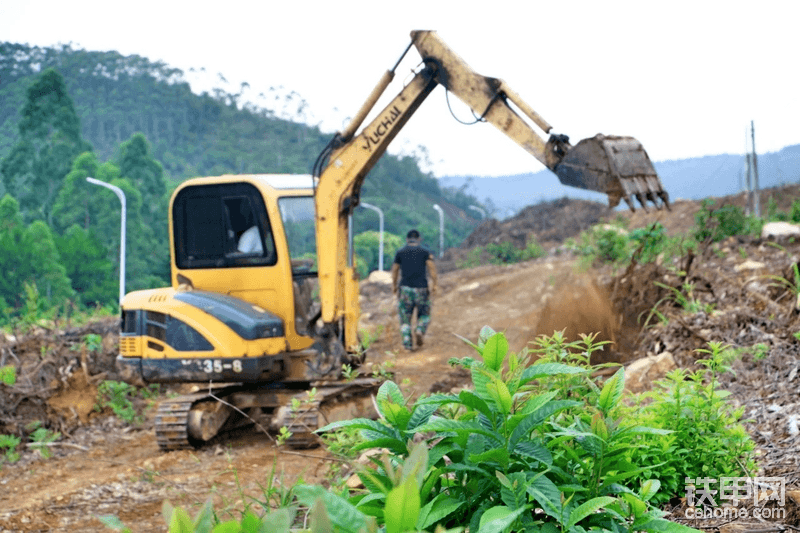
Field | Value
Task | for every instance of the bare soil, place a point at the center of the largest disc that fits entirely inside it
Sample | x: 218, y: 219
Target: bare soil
x: 103, y: 466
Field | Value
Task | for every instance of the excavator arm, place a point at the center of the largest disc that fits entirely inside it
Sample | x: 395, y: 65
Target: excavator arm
x: 616, y: 166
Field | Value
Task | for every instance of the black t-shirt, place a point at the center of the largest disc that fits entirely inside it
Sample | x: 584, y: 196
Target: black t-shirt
x: 412, y: 261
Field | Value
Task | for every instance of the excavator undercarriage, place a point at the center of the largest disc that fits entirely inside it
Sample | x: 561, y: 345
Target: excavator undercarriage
x: 191, y: 420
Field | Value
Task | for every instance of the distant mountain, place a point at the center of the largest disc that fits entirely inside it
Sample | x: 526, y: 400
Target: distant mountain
x: 696, y: 178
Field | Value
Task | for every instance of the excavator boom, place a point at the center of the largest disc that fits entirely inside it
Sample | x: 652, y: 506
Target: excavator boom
x: 616, y: 166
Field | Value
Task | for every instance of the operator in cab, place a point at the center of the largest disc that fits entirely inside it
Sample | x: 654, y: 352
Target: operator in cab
x: 412, y: 265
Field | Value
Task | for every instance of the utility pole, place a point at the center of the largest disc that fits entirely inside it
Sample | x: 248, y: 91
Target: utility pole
x: 441, y: 229
x: 756, y: 196
x: 748, y: 183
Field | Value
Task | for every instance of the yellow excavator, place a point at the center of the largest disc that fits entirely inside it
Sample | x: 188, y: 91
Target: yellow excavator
x: 239, y: 316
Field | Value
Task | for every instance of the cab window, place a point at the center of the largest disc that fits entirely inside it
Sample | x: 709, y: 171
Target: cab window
x: 221, y: 226
x: 299, y: 223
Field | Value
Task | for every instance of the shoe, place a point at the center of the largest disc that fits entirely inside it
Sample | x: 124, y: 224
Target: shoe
x: 408, y: 348
x: 419, y: 337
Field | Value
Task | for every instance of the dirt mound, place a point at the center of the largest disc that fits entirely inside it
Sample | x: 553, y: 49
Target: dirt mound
x: 549, y: 222
x: 56, y: 375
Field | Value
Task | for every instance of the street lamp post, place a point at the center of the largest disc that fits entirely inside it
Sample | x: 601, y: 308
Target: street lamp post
x: 441, y: 229
x: 121, y: 196
x: 479, y: 210
x: 380, y: 246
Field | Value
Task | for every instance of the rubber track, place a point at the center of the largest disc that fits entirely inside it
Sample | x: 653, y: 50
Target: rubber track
x: 302, y: 423
x: 172, y: 421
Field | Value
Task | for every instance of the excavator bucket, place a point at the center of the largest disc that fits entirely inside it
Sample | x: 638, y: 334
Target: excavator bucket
x: 616, y: 166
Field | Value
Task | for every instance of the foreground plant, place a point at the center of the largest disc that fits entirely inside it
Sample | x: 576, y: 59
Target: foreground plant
x: 707, y: 438
x: 518, y: 453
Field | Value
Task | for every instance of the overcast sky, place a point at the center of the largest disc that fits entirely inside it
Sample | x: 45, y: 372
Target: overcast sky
x: 683, y: 77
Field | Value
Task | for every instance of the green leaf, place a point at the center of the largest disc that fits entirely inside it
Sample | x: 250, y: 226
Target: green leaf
x: 360, y: 423
x: 498, y: 519
x: 495, y: 350
x: 535, y: 402
x: 513, y: 491
x: 397, y: 415
x: 180, y: 522
x: 467, y: 341
x: 389, y: 391
x: 231, y: 526
x: 438, y: 509
x: 402, y: 507
x: 650, y: 489
x: 341, y: 512
x: 547, y: 495
x: 204, y: 520
x: 637, y: 506
x: 278, y: 521
x: 416, y: 464
x: 549, y: 369
x: 446, y: 425
x: 612, y: 391
x: 485, y: 334
x: 592, y: 444
x: 113, y: 522
x: 534, y: 450
x: 320, y: 521
x: 420, y: 415
x: 537, y: 417
x: 481, y: 375
x: 396, y: 446
x: 587, y: 508
x: 498, y: 455
x: 498, y: 390
x: 475, y: 402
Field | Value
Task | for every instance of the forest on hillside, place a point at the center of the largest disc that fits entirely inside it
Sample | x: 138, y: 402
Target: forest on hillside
x: 68, y: 114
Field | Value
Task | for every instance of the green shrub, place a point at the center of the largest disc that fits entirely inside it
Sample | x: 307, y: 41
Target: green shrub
x: 520, y: 452
x: 604, y: 242
x: 41, y: 437
x: 707, y: 437
x: 117, y: 395
x: 650, y: 241
x: 8, y: 448
x: 533, y: 250
x: 503, y: 253
x: 473, y: 258
x: 727, y: 221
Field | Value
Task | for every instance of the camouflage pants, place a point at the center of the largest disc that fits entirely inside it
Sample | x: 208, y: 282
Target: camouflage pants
x: 408, y: 299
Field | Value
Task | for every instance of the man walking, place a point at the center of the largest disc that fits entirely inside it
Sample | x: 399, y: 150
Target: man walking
x: 412, y: 265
